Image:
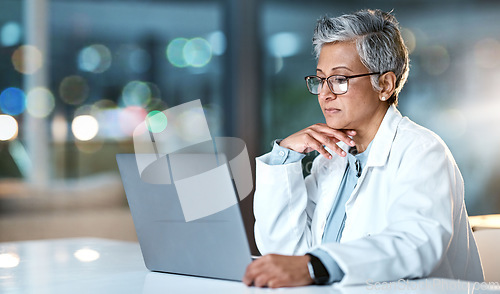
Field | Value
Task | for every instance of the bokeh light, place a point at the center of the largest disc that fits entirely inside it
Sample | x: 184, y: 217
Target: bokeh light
x: 409, y: 38
x: 73, y: 90
x: 175, y: 53
x: 84, y: 127
x: 218, y: 42
x: 284, y: 44
x: 487, y: 53
x: 106, y: 113
x: 59, y: 128
x: 12, y: 101
x: 136, y: 93
x: 40, y: 102
x: 94, y: 58
x: 109, y: 126
x: 86, y: 255
x: 435, y: 59
x: 8, y: 127
x: 133, y: 58
x: 22, y: 65
x: 197, y: 52
x: 156, y: 121
x: 130, y: 117
x: 195, y: 117
x: 10, y: 34
x: 9, y: 260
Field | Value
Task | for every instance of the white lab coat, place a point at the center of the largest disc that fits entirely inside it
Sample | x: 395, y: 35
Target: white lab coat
x: 406, y: 218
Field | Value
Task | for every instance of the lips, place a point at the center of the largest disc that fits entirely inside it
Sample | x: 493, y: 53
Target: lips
x: 331, y: 110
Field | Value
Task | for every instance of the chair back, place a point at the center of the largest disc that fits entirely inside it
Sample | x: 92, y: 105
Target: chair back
x: 488, y: 245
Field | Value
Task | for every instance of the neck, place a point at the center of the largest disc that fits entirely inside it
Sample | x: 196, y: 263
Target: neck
x: 365, y: 135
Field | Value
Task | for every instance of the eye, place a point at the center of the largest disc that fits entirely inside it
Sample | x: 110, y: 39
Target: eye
x: 339, y: 79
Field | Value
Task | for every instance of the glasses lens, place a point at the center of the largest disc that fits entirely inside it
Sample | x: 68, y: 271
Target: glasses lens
x: 314, y: 85
x: 338, y: 84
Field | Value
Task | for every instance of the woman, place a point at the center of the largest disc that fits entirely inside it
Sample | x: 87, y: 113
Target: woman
x: 385, y: 198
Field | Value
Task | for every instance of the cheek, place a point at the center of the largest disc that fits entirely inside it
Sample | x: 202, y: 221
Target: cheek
x: 364, y: 96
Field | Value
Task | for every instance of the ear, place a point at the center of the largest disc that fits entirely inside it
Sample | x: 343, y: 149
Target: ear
x: 387, y: 83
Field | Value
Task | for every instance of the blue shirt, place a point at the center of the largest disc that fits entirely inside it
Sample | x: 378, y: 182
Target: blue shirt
x: 336, y: 219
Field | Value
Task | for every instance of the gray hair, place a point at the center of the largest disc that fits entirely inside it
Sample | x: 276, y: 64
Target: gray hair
x: 378, y: 41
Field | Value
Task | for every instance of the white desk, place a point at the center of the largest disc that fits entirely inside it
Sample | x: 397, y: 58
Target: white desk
x: 87, y: 265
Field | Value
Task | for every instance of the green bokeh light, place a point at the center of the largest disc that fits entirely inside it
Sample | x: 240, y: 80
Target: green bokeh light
x: 156, y: 121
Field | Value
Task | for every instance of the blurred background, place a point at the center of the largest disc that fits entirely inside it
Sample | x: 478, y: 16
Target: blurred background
x: 77, y: 76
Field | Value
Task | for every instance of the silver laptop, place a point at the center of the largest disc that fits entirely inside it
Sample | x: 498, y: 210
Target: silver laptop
x: 214, y: 246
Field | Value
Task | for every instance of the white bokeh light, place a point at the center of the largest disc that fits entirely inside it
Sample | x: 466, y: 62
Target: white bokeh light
x: 8, y: 127
x: 84, y: 127
x: 218, y: 42
x: 40, y: 102
x: 59, y: 128
x: 284, y: 44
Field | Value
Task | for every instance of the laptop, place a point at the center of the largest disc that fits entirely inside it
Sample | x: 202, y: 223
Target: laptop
x: 213, y: 246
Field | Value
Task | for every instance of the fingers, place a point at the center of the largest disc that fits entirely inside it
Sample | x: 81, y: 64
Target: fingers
x: 261, y: 280
x: 317, y: 141
x: 250, y: 273
x: 350, y: 132
x: 323, y: 135
x: 314, y: 143
x: 316, y: 137
x: 338, y: 135
x: 254, y: 272
x: 254, y: 275
x: 276, y: 271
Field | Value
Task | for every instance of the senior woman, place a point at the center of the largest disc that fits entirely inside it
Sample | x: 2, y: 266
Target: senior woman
x: 385, y: 198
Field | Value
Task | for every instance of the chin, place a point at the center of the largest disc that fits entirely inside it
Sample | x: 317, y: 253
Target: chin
x: 338, y: 125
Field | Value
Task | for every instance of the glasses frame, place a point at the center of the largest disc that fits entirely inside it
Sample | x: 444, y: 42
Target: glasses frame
x: 330, y: 87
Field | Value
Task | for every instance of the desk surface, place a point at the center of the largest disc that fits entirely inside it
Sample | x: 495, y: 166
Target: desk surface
x: 87, y: 265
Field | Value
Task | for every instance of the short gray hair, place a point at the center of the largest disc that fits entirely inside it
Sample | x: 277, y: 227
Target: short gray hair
x: 378, y: 41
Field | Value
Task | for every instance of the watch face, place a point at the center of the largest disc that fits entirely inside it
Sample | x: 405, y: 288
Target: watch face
x: 311, y: 271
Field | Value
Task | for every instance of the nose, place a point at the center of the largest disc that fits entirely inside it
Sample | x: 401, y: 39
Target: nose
x: 325, y: 92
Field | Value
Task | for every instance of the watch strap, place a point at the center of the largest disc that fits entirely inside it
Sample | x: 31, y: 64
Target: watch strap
x: 317, y: 270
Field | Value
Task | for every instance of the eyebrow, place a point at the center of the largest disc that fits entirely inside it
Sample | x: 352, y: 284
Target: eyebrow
x: 335, y: 68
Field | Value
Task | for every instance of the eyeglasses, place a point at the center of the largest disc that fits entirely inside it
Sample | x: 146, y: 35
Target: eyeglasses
x: 338, y: 84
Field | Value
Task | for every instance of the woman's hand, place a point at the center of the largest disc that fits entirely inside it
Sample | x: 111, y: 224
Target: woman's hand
x: 275, y: 271
x: 316, y: 137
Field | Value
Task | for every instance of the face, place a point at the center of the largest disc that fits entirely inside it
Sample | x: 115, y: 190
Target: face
x: 360, y: 106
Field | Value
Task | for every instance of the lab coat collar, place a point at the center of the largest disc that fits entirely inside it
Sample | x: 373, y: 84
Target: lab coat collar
x: 382, y: 143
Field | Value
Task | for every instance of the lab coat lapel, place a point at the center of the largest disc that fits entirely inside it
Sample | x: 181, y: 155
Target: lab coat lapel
x: 381, y: 147
x: 335, y: 168
x: 333, y: 171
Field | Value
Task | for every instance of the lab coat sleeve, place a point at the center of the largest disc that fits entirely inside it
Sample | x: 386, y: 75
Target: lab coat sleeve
x: 419, y: 212
x: 283, y: 206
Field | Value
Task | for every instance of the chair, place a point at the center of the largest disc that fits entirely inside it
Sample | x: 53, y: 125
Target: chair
x: 488, y: 242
